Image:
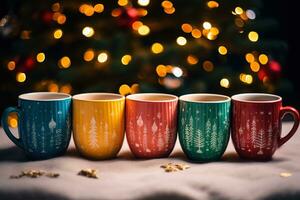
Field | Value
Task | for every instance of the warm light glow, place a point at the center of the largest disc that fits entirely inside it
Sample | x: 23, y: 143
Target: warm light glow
x: 181, y: 41
x: 253, y: 36
x: 66, y: 89
x: 212, y: 4
x: 187, y: 28
x: 157, y: 48
x: 239, y: 22
x: 196, y: 33
x: 214, y: 31
x: 249, y: 57
x: 11, y: 65
x: 57, y: 33
x: 144, y: 30
x: 122, y: 2
x: 246, y: 78
x: 142, y: 12
x: 206, y: 25
x: 89, y: 55
x: 161, y: 70
x: 99, y: 8
x: 208, y: 66
x: 263, y: 59
x: 21, y: 77
x: 13, y: 122
x: 224, y: 83
x: 86, y: 9
x: 55, y: 7
x: 177, y: 71
x: 250, y: 14
x: 167, y: 4
x: 65, y: 62
x: 238, y: 10
x: 102, y: 57
x: 52, y: 87
x: 210, y: 36
x: 136, y: 25
x: 143, y: 2
x: 88, y: 31
x: 126, y: 59
x: 40, y: 57
x: 222, y: 50
x: 124, y: 89
x: 255, y: 66
x: 116, y: 12
x: 61, y: 19
x: 169, y: 10
x: 135, y: 88
x: 25, y: 35
x: 192, y: 60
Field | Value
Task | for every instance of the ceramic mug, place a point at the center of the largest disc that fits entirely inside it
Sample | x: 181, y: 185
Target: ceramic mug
x: 204, y: 124
x: 256, y: 124
x: 44, y: 120
x: 151, y: 124
x: 98, y: 124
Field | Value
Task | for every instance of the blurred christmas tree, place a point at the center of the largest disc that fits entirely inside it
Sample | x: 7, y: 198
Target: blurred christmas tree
x: 173, y: 46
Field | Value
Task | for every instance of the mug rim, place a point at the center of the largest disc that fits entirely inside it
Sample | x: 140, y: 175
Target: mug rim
x: 183, y: 98
x: 80, y: 97
x: 237, y: 97
x: 27, y: 96
x: 135, y: 97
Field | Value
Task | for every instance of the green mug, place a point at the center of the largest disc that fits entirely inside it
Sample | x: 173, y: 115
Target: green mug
x: 204, y: 125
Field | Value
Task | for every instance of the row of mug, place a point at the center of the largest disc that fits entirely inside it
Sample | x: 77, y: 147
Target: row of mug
x: 203, y: 123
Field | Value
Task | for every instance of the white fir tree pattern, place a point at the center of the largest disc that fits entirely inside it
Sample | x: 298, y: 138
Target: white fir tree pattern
x: 145, y: 140
x: 43, y: 139
x: 58, y: 138
x: 260, y: 141
x: 167, y: 137
x: 253, y: 131
x: 93, y: 135
x: 34, y: 136
x: 208, y: 130
x: 140, y: 124
x: 269, y: 136
x: 214, y: 138
x: 248, y: 124
x: 160, y: 141
x: 154, y: 129
x: 241, y: 139
x: 106, y: 133
x: 199, y: 141
x: 52, y: 126
x: 188, y: 133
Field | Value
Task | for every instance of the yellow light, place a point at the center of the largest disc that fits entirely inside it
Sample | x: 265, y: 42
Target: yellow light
x: 11, y: 65
x: 214, y: 31
x: 222, y: 50
x: 161, y: 70
x: 181, y: 41
x: 52, y: 87
x: 83, y: 7
x: 206, y: 25
x: 263, y: 59
x: 21, y: 77
x: 169, y: 10
x: 102, y: 57
x: 89, y: 55
x: 66, y: 89
x: 88, y: 31
x: 124, y: 89
x: 157, y: 48
x: 143, y: 2
x: 126, y: 59
x: 167, y: 4
x: 13, y: 122
x: 122, y: 2
x: 116, y: 12
x: 88, y: 10
x: 142, y: 12
x: 61, y: 19
x: 196, y: 33
x: 135, y: 88
x: 255, y: 66
x: 40, y: 57
x: 57, y: 33
x: 249, y: 57
x: 65, y: 62
x: 55, y: 7
x: 187, y: 28
x: 248, y: 79
x: 99, y: 8
x: 208, y: 66
x: 144, y: 30
x: 238, y: 10
x: 253, y: 36
x: 224, y: 83
x: 136, y: 25
x: 192, y: 60
x: 210, y: 36
x: 212, y: 4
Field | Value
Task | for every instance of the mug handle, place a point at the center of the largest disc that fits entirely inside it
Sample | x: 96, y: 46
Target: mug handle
x: 7, y: 111
x: 295, y: 114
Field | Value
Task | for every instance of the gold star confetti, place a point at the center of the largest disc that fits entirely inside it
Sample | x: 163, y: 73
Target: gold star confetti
x: 34, y: 174
x: 285, y: 174
x: 90, y: 173
x: 170, y: 167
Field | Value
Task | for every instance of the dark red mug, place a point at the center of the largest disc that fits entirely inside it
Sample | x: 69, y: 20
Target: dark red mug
x: 256, y: 124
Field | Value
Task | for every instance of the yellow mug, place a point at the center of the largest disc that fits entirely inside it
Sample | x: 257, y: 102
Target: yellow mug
x: 98, y: 124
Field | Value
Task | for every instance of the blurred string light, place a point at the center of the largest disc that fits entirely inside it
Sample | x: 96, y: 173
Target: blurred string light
x: 53, y: 87
x: 64, y: 62
x: 102, y: 57
x: 143, y: 2
x: 224, y: 82
x: 21, y: 77
x: 124, y: 89
x: 99, y: 8
x: 169, y: 10
x: 66, y: 88
x: 168, y: 7
x: 263, y: 59
x: 58, y: 33
x: 253, y: 36
x: 25, y: 34
x: 134, y: 88
x: 88, y: 31
x: 142, y: 12
x: 55, y: 7
x: 86, y: 9
x: 181, y: 41
x: 157, y: 48
x: 222, y: 50
x: 40, y: 57
x: 192, y: 60
x: 249, y: 57
x: 255, y: 66
x: 206, y: 25
x: 187, y: 28
x: 61, y: 19
x: 246, y: 78
x: 208, y: 66
x: 177, y: 71
x: 122, y: 2
x: 250, y: 14
x: 136, y: 25
x: 89, y: 55
x: 238, y: 10
x: 116, y: 12
x: 11, y: 65
x: 161, y: 70
x: 212, y: 4
x: 126, y: 59
x: 196, y: 33
x: 144, y: 30
x: 13, y: 120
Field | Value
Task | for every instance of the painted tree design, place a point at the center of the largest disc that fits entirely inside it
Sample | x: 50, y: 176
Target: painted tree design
x: 43, y: 139
x: 58, y: 138
x: 93, y: 135
x: 140, y: 124
x: 154, y: 130
x: 145, y: 139
x: 241, y: 139
x: 34, y: 136
x: 214, y: 138
x: 52, y: 126
x: 269, y: 136
x: 167, y: 137
x: 160, y: 141
x: 199, y: 141
x: 260, y: 141
x: 188, y: 133
x: 248, y: 124
x: 253, y: 131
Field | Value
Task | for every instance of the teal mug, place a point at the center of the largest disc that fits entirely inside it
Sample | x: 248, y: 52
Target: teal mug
x: 204, y: 125
x: 44, y: 124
